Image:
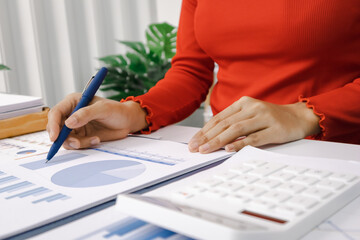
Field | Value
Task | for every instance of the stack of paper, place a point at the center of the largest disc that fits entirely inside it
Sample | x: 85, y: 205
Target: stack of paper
x: 17, y: 105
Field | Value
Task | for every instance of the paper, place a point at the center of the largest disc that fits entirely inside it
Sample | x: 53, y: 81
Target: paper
x: 33, y: 192
x: 343, y: 225
x: 16, y: 105
x: 110, y: 224
x: 174, y: 133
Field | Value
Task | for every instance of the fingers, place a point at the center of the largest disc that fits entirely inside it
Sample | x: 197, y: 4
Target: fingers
x: 232, y: 122
x: 58, y: 114
x: 235, y: 131
x: 72, y: 143
x: 84, y: 115
x: 255, y: 139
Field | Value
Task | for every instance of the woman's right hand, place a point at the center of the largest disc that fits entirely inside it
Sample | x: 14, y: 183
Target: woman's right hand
x: 101, y: 120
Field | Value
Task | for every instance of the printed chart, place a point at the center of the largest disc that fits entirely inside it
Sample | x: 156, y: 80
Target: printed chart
x: 99, y: 173
x: 110, y: 224
x: 131, y: 228
x: 33, y: 192
x: 15, y: 188
x: 25, y: 146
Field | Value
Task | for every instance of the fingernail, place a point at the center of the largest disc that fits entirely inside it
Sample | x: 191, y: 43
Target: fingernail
x: 204, y: 148
x: 74, y: 145
x: 51, y: 136
x: 193, y: 145
x: 230, y: 148
x: 94, y: 141
x: 71, y: 121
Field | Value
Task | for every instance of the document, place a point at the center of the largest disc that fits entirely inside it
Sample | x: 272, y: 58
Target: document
x: 12, y: 105
x: 33, y: 193
x: 110, y: 224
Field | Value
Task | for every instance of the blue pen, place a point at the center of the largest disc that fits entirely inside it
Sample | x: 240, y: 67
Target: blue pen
x: 89, y: 91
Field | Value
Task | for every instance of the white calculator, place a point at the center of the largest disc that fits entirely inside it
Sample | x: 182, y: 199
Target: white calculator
x: 253, y: 195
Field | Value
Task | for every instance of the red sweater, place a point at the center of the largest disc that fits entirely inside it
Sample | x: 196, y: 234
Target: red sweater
x: 279, y: 51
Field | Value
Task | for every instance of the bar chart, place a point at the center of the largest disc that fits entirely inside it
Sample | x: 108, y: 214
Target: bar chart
x: 12, y: 187
x: 132, y: 228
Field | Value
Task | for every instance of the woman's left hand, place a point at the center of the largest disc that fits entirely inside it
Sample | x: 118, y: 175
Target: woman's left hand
x: 249, y: 121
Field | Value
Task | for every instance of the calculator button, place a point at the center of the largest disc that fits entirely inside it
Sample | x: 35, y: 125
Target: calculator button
x: 330, y: 184
x: 262, y: 204
x: 306, y: 180
x: 229, y: 186
x: 276, y: 196
x: 240, y: 169
x: 317, y: 193
x: 289, y: 211
x: 245, y: 179
x: 295, y: 169
x: 266, y: 169
x: 224, y: 176
x: 282, y: 176
x: 251, y: 191
x: 291, y: 188
x: 195, y: 189
x: 268, y: 183
x: 181, y: 195
x: 238, y: 199
x: 318, y: 173
x: 207, y: 183
x: 215, y: 193
x: 302, y: 202
x: 343, y: 177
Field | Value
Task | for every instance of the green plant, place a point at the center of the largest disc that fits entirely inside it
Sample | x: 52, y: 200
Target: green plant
x: 136, y: 71
x: 3, y: 67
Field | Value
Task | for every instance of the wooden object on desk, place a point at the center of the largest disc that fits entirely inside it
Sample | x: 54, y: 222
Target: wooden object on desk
x: 28, y: 123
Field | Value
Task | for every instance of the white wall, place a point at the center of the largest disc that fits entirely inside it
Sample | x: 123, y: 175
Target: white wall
x: 52, y: 46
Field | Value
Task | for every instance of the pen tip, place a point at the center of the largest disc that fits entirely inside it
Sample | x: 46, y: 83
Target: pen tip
x: 47, y: 160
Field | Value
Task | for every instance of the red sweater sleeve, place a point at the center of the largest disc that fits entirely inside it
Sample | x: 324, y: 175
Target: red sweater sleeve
x: 339, y: 111
x: 186, y: 84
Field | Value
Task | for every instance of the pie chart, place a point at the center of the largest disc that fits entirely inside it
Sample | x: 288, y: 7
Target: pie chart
x: 99, y: 173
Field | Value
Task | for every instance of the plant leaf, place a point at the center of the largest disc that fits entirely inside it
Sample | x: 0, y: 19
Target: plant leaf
x: 138, y: 47
x: 3, y: 67
x: 161, y: 39
x: 114, y: 60
x: 137, y: 65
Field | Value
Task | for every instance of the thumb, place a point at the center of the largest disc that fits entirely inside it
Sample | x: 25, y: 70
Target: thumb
x: 84, y: 115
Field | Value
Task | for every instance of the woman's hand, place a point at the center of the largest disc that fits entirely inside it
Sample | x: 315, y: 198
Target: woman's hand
x: 102, y: 120
x: 249, y: 121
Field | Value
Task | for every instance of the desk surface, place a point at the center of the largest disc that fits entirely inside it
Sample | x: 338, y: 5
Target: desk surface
x: 300, y: 148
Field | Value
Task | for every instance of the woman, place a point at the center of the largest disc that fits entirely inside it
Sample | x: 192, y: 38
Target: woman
x: 287, y: 70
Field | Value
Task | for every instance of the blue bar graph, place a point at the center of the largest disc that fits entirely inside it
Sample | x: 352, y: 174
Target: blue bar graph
x: 7, y: 179
x: 15, y: 186
x: 51, y: 198
x: 134, y: 229
x: 136, y: 157
x: 56, y: 160
x: 127, y: 226
x: 153, y: 232
x: 33, y: 192
x: 31, y: 189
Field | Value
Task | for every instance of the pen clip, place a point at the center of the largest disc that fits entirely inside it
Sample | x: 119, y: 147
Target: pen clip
x: 88, y: 83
